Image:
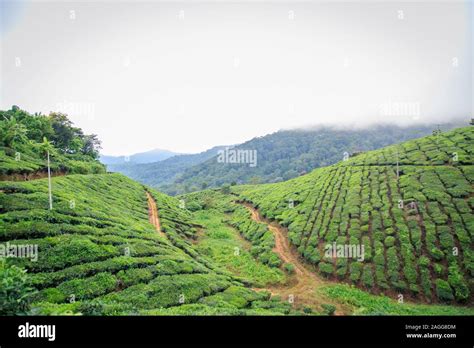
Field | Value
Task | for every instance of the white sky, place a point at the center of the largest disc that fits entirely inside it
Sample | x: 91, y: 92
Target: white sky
x: 146, y: 75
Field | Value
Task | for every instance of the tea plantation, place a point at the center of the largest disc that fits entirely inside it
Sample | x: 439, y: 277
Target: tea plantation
x: 99, y: 255
x: 416, y: 224
x: 408, y: 207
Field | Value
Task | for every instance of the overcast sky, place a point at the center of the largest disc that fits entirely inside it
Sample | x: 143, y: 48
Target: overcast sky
x: 186, y: 76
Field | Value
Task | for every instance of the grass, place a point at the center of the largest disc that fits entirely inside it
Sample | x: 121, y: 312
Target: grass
x: 364, y: 303
x: 226, y: 248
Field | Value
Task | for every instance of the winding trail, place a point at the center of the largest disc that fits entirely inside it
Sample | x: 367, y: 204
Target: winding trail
x: 153, y: 213
x: 304, y: 283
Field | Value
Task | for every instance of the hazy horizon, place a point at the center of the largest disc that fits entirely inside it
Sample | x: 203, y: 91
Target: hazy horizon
x: 460, y: 123
x: 187, y: 76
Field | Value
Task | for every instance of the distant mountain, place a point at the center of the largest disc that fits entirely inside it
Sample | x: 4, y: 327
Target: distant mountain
x: 162, y: 174
x: 289, y: 153
x: 142, y: 157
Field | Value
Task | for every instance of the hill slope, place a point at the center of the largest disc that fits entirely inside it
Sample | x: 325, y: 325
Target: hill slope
x: 417, y: 231
x: 99, y: 255
x: 287, y: 154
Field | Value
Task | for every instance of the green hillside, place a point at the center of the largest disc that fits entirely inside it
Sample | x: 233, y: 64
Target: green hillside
x: 422, y: 250
x: 25, y: 139
x: 99, y: 255
x: 287, y: 154
x: 112, y: 246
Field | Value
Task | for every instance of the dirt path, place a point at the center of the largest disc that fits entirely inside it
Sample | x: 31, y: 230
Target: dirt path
x: 153, y: 214
x: 303, y: 284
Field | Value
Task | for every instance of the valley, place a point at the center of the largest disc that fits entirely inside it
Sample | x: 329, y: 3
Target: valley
x: 113, y: 246
x: 290, y: 173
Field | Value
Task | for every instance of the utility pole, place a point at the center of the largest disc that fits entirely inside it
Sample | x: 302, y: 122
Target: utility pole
x: 49, y: 185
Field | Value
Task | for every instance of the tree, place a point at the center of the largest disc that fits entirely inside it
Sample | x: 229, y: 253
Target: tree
x: 225, y: 189
x: 46, y: 146
x: 76, y: 145
x: 254, y: 180
x: 64, y: 133
x: 91, y: 146
x: 12, y: 132
x: 38, y: 125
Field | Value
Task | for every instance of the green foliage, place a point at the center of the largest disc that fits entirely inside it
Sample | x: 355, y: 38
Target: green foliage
x: 289, y: 268
x: 15, y: 290
x: 226, y: 248
x: 444, y: 290
x: 328, y: 309
x: 389, y: 241
x: 225, y: 189
x: 326, y: 268
x: 24, y: 139
x: 367, y: 304
x: 457, y: 282
x: 258, y: 234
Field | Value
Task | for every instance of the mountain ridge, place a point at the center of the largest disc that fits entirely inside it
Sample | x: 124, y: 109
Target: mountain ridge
x: 286, y: 154
x: 150, y: 156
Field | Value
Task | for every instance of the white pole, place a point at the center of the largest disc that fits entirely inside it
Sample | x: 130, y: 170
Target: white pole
x: 49, y: 186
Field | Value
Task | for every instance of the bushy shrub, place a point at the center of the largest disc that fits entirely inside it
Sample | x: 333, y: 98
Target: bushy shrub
x: 289, y: 267
x: 193, y: 206
x: 355, y: 271
x: 438, y: 269
x: 15, y: 290
x: 326, y: 268
x: 456, y: 280
x: 92, y: 308
x: 389, y: 241
x: 273, y: 260
x: 367, y: 276
x: 443, y: 290
x: 436, y: 254
x: 328, y: 309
